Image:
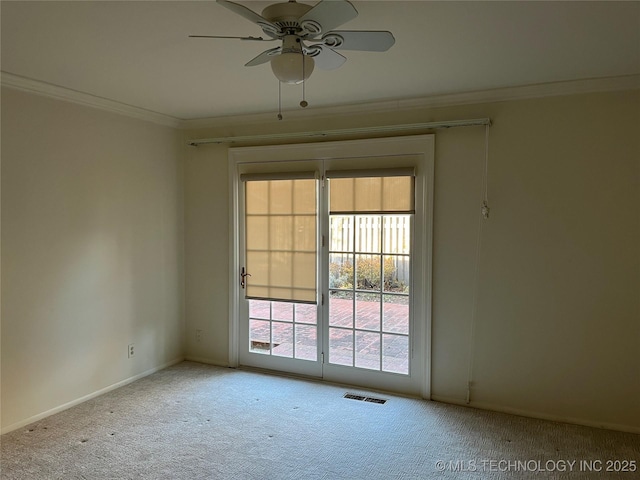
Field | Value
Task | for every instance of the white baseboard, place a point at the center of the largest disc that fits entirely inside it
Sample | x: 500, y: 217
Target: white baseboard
x: 207, y: 361
x: 78, y: 401
x: 540, y: 415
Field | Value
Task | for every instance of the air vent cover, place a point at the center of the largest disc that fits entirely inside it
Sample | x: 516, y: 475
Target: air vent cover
x: 361, y: 398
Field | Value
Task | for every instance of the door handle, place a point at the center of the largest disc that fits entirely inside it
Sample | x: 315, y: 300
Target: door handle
x: 243, y: 276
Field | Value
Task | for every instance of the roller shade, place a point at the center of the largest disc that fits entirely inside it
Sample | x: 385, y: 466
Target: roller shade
x: 281, y: 236
x: 380, y: 191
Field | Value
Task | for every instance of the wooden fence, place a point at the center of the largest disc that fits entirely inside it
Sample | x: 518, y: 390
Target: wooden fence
x: 374, y: 234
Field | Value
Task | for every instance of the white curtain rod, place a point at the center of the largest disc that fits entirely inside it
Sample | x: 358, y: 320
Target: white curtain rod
x: 346, y: 131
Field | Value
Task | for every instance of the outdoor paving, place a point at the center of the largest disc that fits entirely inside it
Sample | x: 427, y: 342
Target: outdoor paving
x: 299, y: 321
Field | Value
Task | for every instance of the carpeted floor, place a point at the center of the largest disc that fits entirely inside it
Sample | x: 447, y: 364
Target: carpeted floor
x: 194, y: 421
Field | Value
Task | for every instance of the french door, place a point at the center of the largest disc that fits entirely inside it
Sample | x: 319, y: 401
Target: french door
x: 332, y: 261
x: 279, y: 302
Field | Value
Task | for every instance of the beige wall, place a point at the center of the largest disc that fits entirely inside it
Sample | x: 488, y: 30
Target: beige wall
x: 207, y: 235
x: 92, y: 252
x: 558, y: 308
x: 92, y: 241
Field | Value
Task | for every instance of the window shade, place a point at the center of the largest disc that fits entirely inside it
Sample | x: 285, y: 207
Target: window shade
x: 371, y: 191
x: 281, y: 239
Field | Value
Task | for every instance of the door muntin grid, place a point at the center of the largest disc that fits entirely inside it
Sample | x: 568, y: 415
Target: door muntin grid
x: 283, y: 329
x: 369, y: 291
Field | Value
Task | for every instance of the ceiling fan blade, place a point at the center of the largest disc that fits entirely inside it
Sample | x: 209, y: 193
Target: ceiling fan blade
x: 327, y: 15
x: 250, y: 15
x: 325, y: 58
x: 258, y: 39
x: 368, y: 41
x: 264, y: 57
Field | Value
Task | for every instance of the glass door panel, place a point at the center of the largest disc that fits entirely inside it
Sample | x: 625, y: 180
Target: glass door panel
x: 279, y: 257
x: 369, y: 291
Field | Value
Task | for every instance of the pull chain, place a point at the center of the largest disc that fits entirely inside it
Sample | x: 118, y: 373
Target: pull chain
x: 485, y: 177
x: 303, y: 103
x: 279, y: 100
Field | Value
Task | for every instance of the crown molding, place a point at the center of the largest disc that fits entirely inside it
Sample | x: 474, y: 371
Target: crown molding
x: 592, y: 85
x: 574, y: 87
x: 54, y: 91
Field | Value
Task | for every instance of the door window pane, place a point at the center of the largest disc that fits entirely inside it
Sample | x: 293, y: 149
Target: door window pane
x: 259, y: 336
x: 341, y: 309
x: 282, y: 339
x: 368, y: 233
x: 341, y: 270
x: 368, y: 350
x: 368, y: 308
x: 342, y: 233
x: 396, y: 234
x: 368, y: 272
x: 395, y: 314
x: 394, y: 353
x: 260, y: 309
x: 341, y: 346
x: 396, y: 273
x: 282, y: 311
x: 306, y: 313
x: 306, y: 342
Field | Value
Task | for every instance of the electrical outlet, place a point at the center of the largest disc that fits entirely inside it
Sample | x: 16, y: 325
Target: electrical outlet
x: 132, y: 351
x: 198, y: 335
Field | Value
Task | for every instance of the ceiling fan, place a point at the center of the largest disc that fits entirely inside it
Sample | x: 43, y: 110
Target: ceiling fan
x: 307, y: 36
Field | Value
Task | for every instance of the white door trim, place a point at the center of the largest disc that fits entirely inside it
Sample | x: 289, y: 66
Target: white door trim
x: 234, y: 265
x: 415, y: 144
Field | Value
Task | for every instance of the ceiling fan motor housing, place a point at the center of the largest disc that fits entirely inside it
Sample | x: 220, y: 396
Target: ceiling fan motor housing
x: 286, y: 15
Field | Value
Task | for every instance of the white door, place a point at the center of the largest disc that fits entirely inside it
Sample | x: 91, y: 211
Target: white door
x: 278, y: 277
x: 364, y: 318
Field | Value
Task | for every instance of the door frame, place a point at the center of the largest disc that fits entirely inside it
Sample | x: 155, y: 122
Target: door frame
x: 389, y: 146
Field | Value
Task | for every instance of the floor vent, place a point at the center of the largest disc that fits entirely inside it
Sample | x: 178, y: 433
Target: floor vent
x: 381, y: 401
x: 353, y: 396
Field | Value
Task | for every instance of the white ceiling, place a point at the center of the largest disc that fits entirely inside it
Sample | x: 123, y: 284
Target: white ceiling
x: 138, y: 53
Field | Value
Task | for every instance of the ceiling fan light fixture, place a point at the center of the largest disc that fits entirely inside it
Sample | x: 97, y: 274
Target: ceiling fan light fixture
x: 292, y: 67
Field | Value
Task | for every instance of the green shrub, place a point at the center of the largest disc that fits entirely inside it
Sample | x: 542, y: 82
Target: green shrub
x: 341, y: 275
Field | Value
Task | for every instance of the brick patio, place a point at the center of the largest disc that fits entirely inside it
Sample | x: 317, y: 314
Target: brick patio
x: 299, y: 321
